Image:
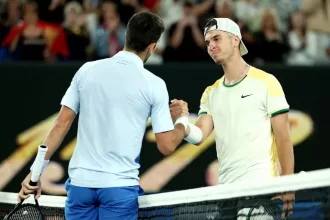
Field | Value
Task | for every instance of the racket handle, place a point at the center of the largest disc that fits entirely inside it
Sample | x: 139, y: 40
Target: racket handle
x: 33, y: 183
x: 38, y: 164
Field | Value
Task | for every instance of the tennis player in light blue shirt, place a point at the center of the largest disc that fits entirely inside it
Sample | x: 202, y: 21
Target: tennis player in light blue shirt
x: 114, y: 98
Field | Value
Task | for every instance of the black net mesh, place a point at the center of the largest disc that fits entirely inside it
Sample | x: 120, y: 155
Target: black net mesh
x: 26, y: 212
x: 311, y: 204
x: 30, y: 212
x: 238, y: 201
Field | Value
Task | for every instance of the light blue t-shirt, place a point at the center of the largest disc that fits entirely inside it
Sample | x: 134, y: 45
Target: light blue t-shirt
x: 114, y: 98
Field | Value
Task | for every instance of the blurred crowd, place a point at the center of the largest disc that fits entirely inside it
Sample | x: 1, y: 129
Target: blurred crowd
x: 295, y: 32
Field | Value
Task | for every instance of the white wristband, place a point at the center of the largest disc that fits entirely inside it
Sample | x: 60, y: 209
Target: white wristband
x: 45, y: 163
x: 195, y: 136
x: 183, y: 120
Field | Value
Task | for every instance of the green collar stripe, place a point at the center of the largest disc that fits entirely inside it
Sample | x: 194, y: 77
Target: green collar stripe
x: 228, y: 86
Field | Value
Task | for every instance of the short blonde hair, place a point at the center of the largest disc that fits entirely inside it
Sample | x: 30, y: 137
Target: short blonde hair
x: 76, y: 6
x: 269, y: 11
x: 220, y: 3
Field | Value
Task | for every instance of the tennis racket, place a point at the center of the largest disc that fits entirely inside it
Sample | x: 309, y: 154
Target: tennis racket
x: 265, y: 210
x: 30, y: 211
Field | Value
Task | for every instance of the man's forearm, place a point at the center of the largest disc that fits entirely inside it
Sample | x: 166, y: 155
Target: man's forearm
x: 198, y: 36
x: 55, y: 137
x: 177, y: 37
x: 286, y: 157
x: 178, y: 134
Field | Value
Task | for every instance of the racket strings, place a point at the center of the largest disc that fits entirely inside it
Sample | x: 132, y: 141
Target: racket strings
x: 264, y: 209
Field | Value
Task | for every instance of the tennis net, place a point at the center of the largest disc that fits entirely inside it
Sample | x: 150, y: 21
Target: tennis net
x: 249, y: 200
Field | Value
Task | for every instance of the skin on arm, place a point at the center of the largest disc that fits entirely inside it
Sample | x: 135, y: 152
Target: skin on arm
x: 197, y: 35
x: 177, y: 37
x: 281, y: 129
x: 53, y: 140
x: 204, y: 121
x: 59, y: 130
x: 168, y: 141
x: 203, y: 7
x: 280, y: 126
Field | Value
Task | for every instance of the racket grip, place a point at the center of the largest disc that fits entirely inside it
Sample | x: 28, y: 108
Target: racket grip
x: 33, y: 183
x: 38, y: 165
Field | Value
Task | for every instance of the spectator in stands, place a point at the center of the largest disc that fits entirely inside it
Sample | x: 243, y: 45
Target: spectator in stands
x: 318, y: 29
x: 90, y: 6
x: 34, y: 39
x: 225, y: 9
x: 76, y: 31
x: 249, y: 11
x: 31, y: 43
x: 271, y: 43
x: 152, y: 5
x: 51, y: 10
x: 205, y: 9
x: 171, y: 11
x: 9, y: 18
x: 109, y: 37
x: 127, y: 8
x: 283, y: 9
x: 186, y: 40
x: 297, y: 40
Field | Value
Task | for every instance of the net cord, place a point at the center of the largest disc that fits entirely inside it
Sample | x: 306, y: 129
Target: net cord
x: 308, y: 180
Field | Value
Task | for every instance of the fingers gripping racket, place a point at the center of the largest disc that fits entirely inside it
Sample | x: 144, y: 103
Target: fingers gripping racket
x: 30, y: 211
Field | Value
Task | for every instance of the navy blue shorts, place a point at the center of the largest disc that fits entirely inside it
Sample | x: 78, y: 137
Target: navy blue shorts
x: 115, y: 203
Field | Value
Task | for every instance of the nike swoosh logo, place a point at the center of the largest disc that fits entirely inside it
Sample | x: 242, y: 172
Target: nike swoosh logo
x: 244, y: 96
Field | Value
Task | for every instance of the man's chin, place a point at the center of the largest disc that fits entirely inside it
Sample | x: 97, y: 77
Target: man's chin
x: 218, y: 61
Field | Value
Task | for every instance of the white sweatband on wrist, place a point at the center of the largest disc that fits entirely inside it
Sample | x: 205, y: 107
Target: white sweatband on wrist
x: 45, y: 163
x: 183, y: 120
x: 195, y: 136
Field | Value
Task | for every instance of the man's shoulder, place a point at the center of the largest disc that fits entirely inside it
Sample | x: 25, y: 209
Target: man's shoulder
x: 214, y: 86
x: 265, y: 78
x: 87, y: 65
x: 152, y: 78
x: 257, y: 73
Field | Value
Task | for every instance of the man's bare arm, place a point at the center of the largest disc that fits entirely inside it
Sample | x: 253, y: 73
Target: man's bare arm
x: 168, y: 141
x: 53, y: 141
x: 281, y: 129
x: 59, y: 130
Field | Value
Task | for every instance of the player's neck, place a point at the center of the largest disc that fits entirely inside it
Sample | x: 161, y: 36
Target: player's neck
x: 235, y: 69
x: 141, y: 55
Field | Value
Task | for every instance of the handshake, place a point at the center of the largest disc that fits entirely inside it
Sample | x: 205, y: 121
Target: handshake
x: 178, y: 108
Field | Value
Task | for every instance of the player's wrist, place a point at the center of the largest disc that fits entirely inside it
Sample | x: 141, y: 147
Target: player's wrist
x: 195, y: 134
x: 182, y: 120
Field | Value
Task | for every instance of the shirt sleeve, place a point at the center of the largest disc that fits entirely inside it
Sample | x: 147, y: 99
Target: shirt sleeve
x: 276, y: 102
x: 71, y: 97
x: 204, y: 107
x: 160, y: 110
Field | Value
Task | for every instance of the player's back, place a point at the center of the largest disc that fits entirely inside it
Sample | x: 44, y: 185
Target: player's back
x: 115, y: 103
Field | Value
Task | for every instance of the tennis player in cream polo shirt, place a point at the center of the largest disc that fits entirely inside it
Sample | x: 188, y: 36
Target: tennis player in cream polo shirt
x: 248, y: 111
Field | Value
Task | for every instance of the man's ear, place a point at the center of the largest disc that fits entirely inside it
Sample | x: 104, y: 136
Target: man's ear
x: 237, y: 41
x: 152, y: 47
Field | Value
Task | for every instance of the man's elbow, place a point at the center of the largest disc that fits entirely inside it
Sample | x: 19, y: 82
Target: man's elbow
x: 166, y: 148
